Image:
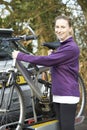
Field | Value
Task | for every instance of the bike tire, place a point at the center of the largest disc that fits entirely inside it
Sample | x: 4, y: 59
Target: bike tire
x: 14, y: 117
x: 82, y: 102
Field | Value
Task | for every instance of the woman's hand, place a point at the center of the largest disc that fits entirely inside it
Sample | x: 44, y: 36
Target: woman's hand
x: 15, y: 54
x: 50, y: 51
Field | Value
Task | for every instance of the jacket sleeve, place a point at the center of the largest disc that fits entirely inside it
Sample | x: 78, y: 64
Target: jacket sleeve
x: 61, y: 56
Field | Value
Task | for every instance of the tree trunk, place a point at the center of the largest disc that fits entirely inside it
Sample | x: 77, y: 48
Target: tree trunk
x: 83, y: 4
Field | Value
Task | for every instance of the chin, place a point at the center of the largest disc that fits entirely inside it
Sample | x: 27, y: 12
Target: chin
x: 60, y: 39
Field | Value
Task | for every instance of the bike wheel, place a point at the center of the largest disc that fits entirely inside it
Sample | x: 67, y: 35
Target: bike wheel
x: 82, y: 102
x: 13, y: 117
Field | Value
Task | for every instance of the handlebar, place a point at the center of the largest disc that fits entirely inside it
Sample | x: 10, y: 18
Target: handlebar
x: 24, y: 37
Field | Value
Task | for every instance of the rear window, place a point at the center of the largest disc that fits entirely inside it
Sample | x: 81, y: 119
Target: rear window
x: 6, y: 46
x: 4, y: 33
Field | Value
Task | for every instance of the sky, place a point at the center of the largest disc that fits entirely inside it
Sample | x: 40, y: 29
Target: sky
x: 8, y: 0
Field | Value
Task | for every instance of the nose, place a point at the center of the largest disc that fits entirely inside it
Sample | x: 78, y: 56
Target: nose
x: 57, y: 30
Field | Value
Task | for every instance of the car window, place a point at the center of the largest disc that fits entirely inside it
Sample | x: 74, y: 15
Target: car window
x: 7, y: 46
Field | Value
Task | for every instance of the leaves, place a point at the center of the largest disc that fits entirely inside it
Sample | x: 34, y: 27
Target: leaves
x: 40, y: 16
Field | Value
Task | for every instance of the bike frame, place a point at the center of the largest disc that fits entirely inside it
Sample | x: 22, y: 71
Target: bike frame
x: 35, y: 90
x: 26, y: 73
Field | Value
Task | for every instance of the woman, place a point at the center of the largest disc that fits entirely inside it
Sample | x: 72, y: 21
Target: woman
x: 64, y: 63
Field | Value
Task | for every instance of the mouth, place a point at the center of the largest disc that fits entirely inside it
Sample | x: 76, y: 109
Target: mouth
x: 60, y: 36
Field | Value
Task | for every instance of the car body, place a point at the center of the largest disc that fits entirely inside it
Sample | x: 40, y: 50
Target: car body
x: 6, y: 48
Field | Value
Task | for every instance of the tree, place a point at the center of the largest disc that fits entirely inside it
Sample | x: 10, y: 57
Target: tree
x: 83, y: 4
x: 39, y: 14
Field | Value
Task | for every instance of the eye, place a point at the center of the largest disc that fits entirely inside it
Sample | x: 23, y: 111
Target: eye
x: 62, y: 26
x: 56, y: 26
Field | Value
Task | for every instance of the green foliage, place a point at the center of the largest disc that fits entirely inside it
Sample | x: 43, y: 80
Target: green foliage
x: 40, y: 15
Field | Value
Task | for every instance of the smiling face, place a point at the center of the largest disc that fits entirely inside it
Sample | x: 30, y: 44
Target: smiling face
x: 62, y: 29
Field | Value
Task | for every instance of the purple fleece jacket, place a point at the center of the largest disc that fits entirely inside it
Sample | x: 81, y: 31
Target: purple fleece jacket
x: 64, y: 63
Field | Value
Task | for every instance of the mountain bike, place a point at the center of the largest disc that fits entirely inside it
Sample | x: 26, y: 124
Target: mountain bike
x: 40, y: 99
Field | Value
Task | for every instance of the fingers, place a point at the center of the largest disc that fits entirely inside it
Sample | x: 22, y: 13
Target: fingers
x: 15, y: 54
x: 50, y: 51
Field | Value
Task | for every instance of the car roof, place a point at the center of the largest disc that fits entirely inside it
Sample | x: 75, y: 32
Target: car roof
x: 6, y: 29
x: 4, y: 32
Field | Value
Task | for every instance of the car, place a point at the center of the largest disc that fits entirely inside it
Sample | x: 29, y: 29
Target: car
x: 6, y: 48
